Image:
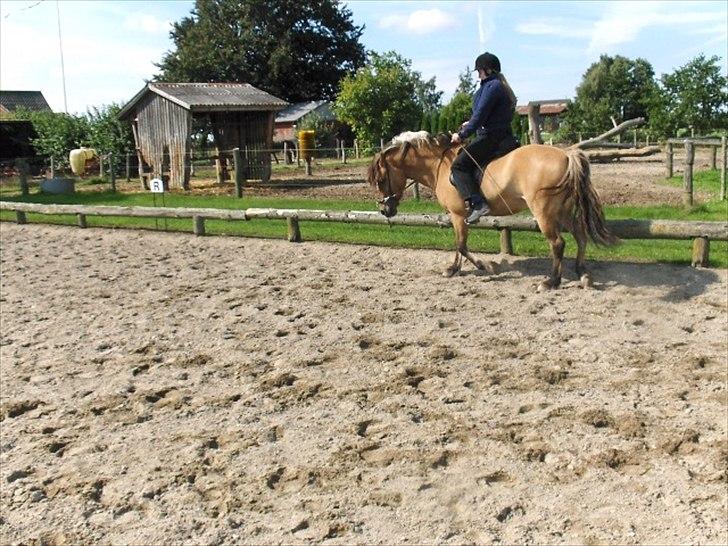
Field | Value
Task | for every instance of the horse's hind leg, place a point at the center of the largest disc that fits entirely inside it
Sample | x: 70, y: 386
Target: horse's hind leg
x: 553, y: 235
x: 581, y: 270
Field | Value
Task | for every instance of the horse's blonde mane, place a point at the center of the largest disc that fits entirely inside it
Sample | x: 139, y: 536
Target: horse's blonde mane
x: 415, y: 138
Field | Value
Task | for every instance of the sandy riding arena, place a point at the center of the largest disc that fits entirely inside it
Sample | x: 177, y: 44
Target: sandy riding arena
x: 161, y: 388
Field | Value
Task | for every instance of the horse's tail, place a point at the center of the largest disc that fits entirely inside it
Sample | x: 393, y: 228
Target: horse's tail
x: 588, y: 212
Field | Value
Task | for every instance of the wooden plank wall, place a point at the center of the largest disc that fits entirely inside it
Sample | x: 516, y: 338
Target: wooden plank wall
x: 164, y: 138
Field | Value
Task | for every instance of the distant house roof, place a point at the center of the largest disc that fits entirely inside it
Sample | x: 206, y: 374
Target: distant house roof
x: 32, y: 100
x: 296, y: 111
x: 545, y: 107
x: 209, y: 97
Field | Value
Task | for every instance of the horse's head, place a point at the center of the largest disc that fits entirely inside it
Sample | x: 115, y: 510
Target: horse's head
x: 387, y: 174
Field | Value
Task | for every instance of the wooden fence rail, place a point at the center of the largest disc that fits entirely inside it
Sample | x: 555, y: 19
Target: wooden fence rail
x: 690, y: 144
x: 702, y: 232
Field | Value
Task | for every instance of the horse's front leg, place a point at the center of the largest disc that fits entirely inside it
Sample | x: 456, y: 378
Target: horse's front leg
x: 461, y: 245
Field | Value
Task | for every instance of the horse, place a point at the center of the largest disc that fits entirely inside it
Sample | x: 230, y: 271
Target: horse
x: 554, y: 184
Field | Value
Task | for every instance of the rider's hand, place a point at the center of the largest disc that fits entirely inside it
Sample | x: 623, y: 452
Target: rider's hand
x: 455, y: 138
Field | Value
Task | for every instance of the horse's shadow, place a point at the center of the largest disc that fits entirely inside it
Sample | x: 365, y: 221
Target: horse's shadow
x: 680, y: 282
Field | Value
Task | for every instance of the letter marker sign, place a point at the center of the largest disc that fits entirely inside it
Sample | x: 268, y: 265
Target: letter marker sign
x: 156, y: 185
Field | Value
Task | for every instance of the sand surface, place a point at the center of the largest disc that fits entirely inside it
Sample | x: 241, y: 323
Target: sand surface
x: 160, y: 388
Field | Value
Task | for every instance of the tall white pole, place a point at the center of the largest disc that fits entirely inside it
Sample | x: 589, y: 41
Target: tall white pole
x: 60, y: 48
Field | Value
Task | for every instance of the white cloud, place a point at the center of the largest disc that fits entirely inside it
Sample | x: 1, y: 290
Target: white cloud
x: 486, y: 27
x: 555, y: 27
x: 420, y: 21
x: 147, y: 23
x: 97, y: 72
x: 622, y: 23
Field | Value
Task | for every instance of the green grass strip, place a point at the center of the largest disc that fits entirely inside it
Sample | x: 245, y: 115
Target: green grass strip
x: 525, y: 244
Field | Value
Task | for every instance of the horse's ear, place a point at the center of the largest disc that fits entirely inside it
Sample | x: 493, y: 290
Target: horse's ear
x: 443, y: 139
x: 405, y: 148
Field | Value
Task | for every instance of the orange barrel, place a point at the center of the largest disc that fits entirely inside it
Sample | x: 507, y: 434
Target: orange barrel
x: 306, y: 143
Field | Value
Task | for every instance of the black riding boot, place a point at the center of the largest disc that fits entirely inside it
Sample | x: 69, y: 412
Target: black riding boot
x: 470, y: 192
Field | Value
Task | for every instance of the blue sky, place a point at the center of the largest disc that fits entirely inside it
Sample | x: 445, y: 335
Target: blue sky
x: 109, y: 47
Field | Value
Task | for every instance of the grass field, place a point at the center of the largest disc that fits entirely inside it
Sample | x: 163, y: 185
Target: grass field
x: 525, y: 244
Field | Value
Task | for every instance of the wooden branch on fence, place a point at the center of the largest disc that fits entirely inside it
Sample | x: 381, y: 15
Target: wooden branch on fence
x: 625, y: 229
x: 610, y: 155
x: 615, y: 131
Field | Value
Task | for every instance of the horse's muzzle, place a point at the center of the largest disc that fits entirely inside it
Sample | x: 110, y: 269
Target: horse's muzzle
x: 388, y: 206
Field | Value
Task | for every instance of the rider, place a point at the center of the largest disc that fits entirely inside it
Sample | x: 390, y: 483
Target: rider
x: 493, y: 107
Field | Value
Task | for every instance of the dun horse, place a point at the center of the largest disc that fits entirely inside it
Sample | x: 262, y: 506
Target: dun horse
x: 553, y: 183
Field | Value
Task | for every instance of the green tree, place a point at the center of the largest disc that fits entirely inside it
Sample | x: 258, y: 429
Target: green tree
x: 382, y: 99
x: 461, y: 108
x: 443, y: 120
x: 58, y: 133
x: 614, y: 87
x: 107, y: 133
x: 425, y: 122
x: 466, y: 83
x: 694, y: 96
x: 295, y: 50
x: 434, y: 120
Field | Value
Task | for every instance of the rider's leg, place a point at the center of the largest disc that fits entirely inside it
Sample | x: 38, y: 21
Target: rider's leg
x: 466, y: 175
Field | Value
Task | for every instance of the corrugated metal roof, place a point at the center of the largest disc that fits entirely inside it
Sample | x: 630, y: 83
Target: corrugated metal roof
x: 296, y: 111
x: 32, y: 100
x: 209, y: 97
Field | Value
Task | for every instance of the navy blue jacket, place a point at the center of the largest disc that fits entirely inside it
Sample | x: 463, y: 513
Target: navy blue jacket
x: 492, y: 109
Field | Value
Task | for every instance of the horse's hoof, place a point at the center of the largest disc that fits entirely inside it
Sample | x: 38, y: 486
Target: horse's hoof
x: 492, y: 268
x: 450, y: 271
x: 544, y: 285
x: 586, y: 281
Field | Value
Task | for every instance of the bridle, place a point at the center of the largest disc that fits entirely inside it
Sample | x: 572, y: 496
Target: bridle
x: 390, y: 197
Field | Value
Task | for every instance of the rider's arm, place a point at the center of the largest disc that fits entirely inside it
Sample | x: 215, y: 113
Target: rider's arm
x: 483, y: 107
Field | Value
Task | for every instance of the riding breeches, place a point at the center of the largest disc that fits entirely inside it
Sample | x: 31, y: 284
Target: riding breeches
x: 466, y: 170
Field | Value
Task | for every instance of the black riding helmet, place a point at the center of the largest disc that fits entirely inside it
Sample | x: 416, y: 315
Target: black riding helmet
x: 487, y: 61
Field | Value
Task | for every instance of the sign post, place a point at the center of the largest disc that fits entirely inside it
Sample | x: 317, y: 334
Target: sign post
x: 156, y: 185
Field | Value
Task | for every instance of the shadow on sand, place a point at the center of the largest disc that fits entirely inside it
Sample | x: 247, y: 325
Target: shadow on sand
x: 680, y: 282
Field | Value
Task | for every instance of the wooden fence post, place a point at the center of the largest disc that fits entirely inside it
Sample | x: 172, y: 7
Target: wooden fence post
x: 356, y: 148
x: 635, y: 138
x: 713, y: 154
x: 20, y: 217
x: 198, y: 225
x: 22, y: 166
x: 534, y: 120
x: 722, y: 168
x: 294, y: 231
x: 238, y: 164
x: 53, y: 167
x: 308, y: 166
x: 381, y: 144
x: 112, y: 174
x: 416, y: 190
x: 101, y: 166
x: 81, y: 220
x: 506, y: 241
x: 343, y: 152
x: 688, y: 175
x: 701, y: 252
x: 128, y: 167
x: 669, y: 154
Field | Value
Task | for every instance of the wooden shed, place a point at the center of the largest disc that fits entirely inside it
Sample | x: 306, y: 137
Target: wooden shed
x: 238, y: 115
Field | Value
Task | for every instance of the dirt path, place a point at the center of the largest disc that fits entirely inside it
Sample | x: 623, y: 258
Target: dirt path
x: 160, y: 388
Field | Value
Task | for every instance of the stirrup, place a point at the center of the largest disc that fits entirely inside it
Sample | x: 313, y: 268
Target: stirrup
x: 477, y: 213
